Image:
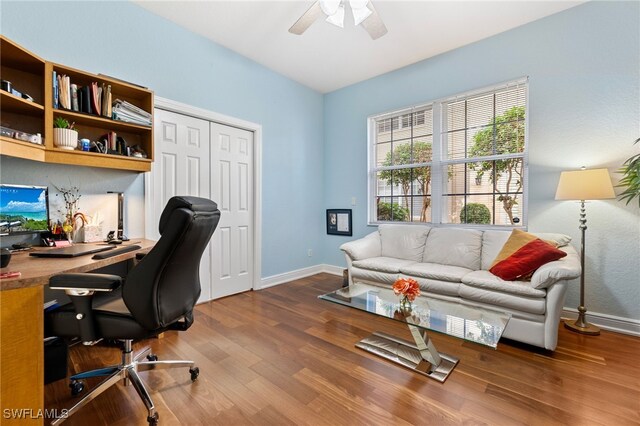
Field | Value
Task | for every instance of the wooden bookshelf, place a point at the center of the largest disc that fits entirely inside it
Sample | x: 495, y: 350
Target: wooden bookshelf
x: 30, y: 74
x: 93, y: 126
x: 25, y: 71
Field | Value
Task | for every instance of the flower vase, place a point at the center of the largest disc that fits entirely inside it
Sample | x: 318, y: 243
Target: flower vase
x: 405, y: 303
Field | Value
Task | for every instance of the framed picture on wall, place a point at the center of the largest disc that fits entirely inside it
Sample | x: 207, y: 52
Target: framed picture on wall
x: 339, y: 222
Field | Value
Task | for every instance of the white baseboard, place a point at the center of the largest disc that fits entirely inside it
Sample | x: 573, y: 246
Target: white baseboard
x: 299, y: 273
x: 607, y: 322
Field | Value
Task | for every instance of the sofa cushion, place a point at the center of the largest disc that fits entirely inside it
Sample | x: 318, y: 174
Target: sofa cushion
x: 498, y: 299
x: 430, y: 286
x: 435, y: 271
x: 492, y: 243
x: 383, y: 264
x: 403, y: 241
x: 526, y: 260
x: 454, y: 246
x: 485, y: 279
x: 367, y: 275
x: 559, y: 240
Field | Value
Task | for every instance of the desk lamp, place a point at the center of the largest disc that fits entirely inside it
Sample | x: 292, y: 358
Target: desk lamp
x: 584, y: 185
x: 119, y: 237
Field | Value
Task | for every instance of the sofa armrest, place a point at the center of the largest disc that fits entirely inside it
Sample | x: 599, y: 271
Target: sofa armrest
x: 567, y: 268
x: 364, y: 248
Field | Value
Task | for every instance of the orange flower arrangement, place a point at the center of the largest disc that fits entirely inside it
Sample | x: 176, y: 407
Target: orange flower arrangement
x: 407, y: 287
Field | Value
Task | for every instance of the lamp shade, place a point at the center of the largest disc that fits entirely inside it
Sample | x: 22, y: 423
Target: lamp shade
x: 594, y: 184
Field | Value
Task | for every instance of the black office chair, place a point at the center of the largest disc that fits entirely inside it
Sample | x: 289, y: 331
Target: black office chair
x: 158, y: 294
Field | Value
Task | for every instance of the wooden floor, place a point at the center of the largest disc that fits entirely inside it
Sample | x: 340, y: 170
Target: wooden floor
x: 281, y: 356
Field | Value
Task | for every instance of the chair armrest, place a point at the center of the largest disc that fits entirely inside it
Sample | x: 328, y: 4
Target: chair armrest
x: 87, y: 282
x: 80, y: 289
x: 364, y: 248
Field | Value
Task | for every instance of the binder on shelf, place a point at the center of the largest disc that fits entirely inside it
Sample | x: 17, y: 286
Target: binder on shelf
x: 55, y: 90
x: 86, y: 100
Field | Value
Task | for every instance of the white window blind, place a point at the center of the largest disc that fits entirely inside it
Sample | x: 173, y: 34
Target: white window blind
x: 472, y: 171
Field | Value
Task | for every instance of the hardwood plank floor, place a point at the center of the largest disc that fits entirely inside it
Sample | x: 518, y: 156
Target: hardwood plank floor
x: 281, y: 356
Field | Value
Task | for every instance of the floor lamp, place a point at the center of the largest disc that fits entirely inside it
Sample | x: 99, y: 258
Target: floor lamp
x: 584, y: 185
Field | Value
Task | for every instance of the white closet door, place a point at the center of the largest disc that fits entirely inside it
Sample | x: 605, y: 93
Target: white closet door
x: 232, y: 187
x: 181, y: 167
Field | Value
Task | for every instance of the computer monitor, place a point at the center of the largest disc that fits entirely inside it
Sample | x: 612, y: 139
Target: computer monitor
x: 23, y: 209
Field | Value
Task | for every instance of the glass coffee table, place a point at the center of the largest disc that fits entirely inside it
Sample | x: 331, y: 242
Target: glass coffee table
x: 472, y: 323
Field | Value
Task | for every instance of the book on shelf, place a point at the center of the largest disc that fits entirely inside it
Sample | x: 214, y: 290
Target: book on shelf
x: 55, y: 90
x: 97, y: 99
x: 74, y: 97
x: 106, y: 100
x: 64, y: 91
x: 95, y: 107
x: 86, y: 100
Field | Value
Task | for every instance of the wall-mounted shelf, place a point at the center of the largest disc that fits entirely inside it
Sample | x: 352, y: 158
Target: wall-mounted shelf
x: 94, y: 159
x: 17, y: 148
x: 18, y: 105
x: 34, y: 76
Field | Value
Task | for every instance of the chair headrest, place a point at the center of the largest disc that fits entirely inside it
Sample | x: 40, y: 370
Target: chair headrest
x: 195, y: 204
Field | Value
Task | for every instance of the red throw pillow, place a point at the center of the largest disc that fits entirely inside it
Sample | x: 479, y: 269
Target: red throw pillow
x: 526, y: 260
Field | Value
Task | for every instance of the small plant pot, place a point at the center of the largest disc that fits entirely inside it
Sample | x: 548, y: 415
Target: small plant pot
x: 65, y: 138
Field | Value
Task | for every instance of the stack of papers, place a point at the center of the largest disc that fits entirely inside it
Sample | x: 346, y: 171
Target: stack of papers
x: 124, y: 111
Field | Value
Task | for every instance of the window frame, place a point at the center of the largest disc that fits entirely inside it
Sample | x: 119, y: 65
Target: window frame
x: 439, y: 164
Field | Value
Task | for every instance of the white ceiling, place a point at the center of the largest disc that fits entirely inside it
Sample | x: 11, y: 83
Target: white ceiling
x: 326, y: 57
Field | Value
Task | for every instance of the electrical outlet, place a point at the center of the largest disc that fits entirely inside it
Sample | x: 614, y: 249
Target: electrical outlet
x: 309, y: 252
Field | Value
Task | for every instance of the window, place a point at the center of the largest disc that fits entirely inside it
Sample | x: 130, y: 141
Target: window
x: 459, y: 160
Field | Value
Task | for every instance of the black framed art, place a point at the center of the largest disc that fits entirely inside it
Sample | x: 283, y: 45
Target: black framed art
x: 339, y: 222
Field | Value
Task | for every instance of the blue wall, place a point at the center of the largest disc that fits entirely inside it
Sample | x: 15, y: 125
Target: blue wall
x: 583, y: 66
x: 126, y: 41
x: 584, y: 107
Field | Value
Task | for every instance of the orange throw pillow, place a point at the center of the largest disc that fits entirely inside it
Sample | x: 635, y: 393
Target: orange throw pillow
x: 526, y: 260
x: 517, y: 240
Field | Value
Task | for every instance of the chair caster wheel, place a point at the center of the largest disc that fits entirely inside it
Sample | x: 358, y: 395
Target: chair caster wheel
x: 153, y: 420
x: 195, y: 372
x: 76, y: 387
x: 152, y: 357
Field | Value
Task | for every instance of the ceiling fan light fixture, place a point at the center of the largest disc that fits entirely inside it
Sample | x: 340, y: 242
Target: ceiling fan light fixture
x: 360, y: 14
x: 330, y: 7
x: 358, y: 4
x: 337, y: 18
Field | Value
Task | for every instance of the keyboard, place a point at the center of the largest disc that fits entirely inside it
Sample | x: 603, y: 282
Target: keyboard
x: 115, y: 252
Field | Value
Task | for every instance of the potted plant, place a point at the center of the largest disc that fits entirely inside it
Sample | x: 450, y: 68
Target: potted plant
x: 64, y: 136
x: 630, y: 178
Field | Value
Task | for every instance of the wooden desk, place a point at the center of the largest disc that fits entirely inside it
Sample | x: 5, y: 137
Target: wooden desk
x: 22, y: 327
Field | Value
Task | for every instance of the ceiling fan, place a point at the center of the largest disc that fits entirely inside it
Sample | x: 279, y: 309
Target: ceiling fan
x: 363, y: 14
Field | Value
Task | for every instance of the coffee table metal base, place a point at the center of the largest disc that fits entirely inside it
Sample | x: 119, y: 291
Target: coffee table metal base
x: 421, y: 356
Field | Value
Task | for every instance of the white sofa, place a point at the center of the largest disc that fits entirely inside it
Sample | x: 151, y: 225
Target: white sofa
x: 452, y: 264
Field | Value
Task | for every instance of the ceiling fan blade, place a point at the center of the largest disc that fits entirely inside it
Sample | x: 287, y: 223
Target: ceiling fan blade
x: 305, y: 21
x: 373, y: 24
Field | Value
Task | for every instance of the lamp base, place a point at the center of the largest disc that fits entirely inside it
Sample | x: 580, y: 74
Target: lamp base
x: 583, y: 328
